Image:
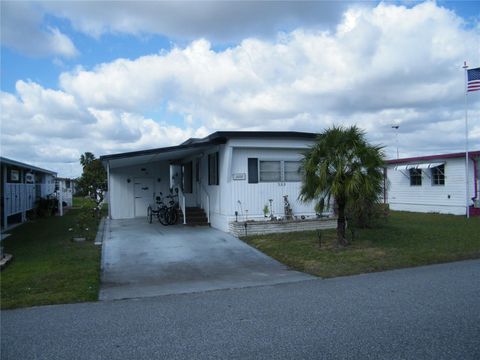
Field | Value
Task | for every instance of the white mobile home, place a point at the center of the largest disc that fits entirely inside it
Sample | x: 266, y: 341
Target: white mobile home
x: 434, y: 184
x: 228, y: 175
x: 21, y: 185
x: 65, y: 189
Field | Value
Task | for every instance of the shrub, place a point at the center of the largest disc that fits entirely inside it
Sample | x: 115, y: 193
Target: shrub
x: 46, y: 207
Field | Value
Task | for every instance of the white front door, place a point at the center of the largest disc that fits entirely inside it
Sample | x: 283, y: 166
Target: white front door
x: 143, y: 192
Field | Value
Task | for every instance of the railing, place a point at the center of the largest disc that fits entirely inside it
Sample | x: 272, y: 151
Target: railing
x: 205, y: 201
x: 181, y: 202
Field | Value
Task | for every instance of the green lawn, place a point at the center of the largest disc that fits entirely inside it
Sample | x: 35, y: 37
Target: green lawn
x: 48, y: 267
x: 404, y: 240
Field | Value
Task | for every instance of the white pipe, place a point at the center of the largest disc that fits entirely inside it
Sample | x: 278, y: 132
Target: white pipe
x: 465, y: 66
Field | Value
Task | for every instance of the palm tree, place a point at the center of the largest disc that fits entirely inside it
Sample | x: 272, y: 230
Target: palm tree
x: 342, y: 165
x: 86, y: 158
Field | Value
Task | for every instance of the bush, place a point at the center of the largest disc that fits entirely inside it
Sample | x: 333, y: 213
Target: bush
x: 364, y: 213
x: 46, y: 207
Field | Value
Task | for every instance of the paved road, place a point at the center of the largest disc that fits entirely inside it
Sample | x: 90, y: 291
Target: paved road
x: 141, y: 260
x: 423, y: 313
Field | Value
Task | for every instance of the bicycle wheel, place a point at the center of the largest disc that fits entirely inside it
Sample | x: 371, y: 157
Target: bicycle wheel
x: 172, y: 219
x: 149, y: 214
x: 162, y: 216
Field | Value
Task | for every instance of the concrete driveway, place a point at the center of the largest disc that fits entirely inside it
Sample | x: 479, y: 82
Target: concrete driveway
x: 141, y: 260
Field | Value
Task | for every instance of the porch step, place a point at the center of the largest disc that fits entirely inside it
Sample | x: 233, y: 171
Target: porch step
x: 195, y: 216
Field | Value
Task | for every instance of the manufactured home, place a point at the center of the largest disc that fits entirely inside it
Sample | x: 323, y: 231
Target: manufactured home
x: 65, y: 189
x: 227, y: 176
x: 434, y: 183
x: 21, y: 185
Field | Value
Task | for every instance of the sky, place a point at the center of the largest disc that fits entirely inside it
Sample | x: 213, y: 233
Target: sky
x: 117, y: 76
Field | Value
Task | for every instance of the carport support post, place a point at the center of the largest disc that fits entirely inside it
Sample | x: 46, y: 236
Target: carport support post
x: 109, y: 191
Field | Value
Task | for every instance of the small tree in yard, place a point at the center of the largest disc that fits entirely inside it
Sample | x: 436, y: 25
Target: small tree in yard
x: 342, y: 165
x: 93, y: 181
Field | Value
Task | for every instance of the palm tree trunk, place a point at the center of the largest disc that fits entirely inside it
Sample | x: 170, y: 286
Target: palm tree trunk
x: 341, y: 222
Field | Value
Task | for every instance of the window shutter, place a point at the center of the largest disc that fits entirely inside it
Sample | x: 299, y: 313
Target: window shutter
x: 217, y: 178
x: 252, y: 170
x: 213, y: 170
x: 210, y: 180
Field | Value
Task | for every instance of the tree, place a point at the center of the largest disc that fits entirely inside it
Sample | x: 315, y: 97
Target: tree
x: 342, y: 165
x: 93, y: 181
x: 86, y: 158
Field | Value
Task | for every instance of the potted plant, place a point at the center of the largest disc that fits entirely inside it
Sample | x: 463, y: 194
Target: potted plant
x: 265, y: 210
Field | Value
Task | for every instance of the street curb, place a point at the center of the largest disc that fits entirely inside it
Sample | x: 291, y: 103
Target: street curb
x: 100, y: 233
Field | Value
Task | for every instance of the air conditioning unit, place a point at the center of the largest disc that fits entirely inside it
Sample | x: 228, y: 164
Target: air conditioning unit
x: 29, y: 178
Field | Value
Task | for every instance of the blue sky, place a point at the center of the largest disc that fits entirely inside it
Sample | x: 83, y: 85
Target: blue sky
x: 118, y: 76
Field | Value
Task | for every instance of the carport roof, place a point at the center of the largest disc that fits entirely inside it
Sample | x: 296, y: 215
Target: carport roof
x: 216, y: 138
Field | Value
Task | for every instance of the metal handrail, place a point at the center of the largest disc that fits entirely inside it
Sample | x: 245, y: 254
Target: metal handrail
x: 205, y: 192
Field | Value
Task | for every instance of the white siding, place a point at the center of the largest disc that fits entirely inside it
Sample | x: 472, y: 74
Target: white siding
x: 448, y: 198
x: 250, y: 199
x: 216, y: 193
x: 48, y: 185
x: 121, y: 191
x: 18, y: 198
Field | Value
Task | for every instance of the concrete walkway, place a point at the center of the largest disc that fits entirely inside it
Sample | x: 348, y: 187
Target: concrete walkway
x: 141, y: 260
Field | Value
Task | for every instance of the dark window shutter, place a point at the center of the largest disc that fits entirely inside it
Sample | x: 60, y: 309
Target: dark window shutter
x: 213, y: 170
x: 217, y: 180
x: 252, y: 170
x: 210, y: 169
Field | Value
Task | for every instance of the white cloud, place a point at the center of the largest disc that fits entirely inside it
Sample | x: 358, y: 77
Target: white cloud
x: 219, y: 21
x: 21, y: 29
x: 382, y: 66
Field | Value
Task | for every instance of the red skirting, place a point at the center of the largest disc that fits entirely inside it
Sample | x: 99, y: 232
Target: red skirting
x: 474, y: 211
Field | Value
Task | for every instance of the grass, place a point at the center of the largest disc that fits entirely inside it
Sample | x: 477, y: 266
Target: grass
x: 405, y: 240
x: 48, y: 267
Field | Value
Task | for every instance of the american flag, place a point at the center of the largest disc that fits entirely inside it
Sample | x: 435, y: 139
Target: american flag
x: 473, y: 83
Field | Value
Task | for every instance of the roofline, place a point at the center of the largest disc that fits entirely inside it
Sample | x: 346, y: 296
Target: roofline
x: 5, y: 160
x: 151, y: 151
x: 216, y: 138
x: 471, y: 155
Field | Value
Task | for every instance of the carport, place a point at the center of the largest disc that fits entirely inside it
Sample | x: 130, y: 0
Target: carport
x: 141, y: 260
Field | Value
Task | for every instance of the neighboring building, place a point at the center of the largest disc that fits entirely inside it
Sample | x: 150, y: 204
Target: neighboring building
x: 227, y: 174
x: 21, y: 185
x: 67, y: 187
x: 434, y: 184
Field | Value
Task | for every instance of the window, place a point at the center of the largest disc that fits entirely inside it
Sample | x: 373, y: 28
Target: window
x: 415, y: 177
x: 274, y: 170
x: 270, y: 171
x: 292, y: 170
x: 213, y: 169
x: 438, y: 175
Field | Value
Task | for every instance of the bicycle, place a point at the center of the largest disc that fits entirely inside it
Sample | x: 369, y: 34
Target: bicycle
x: 151, y: 211
x: 171, y: 215
x: 166, y: 215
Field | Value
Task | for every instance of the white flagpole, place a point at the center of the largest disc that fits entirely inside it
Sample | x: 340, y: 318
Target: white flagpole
x: 467, y: 172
